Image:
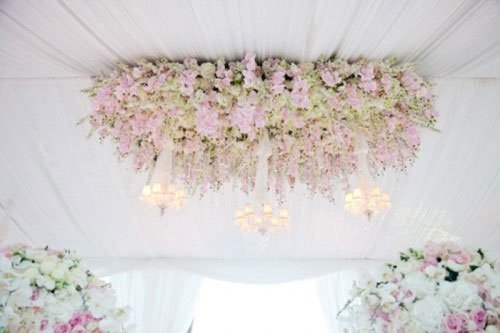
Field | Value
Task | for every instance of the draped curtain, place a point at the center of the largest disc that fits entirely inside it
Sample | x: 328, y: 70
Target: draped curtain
x: 333, y: 291
x: 162, y: 298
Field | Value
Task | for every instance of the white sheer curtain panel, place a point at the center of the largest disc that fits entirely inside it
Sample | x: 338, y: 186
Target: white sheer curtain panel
x: 333, y: 291
x: 162, y: 298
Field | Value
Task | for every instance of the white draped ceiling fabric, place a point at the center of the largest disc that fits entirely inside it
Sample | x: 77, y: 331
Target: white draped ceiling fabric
x: 71, y: 192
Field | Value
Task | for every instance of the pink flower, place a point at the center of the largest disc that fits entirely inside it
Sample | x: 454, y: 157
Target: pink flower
x: 62, y: 328
x: 478, y: 316
x: 369, y: 86
x: 43, y: 324
x: 206, y: 121
x: 334, y: 103
x: 432, y: 250
x: 35, y: 294
x: 412, y: 136
x: 299, y: 93
x: 249, y: 73
x: 78, y: 318
x: 188, y: 79
x: 367, y: 72
x: 78, y: 329
x: 352, y: 98
x: 330, y: 79
x: 386, y: 83
x: 247, y: 115
x: 278, y: 79
x: 124, y: 145
x: 460, y: 257
x: 431, y: 112
x: 452, y: 324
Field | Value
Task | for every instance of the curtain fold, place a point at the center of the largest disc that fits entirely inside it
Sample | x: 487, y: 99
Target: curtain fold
x: 333, y: 291
x: 162, y: 298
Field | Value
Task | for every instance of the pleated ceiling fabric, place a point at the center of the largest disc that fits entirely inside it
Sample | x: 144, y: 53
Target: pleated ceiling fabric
x: 71, y: 192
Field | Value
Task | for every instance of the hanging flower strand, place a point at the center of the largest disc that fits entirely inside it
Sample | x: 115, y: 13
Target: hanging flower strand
x: 312, y: 111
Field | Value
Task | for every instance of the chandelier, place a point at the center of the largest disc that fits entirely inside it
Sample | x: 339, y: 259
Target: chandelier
x: 263, y: 220
x: 161, y: 192
x: 366, y: 199
x: 259, y: 216
x: 163, y: 196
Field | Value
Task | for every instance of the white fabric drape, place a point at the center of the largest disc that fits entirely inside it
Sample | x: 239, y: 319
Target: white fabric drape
x: 448, y: 37
x: 239, y: 270
x: 333, y: 291
x: 162, y: 298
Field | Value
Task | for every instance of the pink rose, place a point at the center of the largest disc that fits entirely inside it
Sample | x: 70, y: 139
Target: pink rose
x: 478, y: 316
x: 78, y: 318
x: 452, y: 324
x: 78, y: 329
x: 431, y: 250
x: 62, y: 328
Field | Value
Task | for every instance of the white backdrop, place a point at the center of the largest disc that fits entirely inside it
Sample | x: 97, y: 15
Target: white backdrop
x: 70, y: 192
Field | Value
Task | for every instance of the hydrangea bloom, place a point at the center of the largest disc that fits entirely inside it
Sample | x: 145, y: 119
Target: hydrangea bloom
x: 216, y: 113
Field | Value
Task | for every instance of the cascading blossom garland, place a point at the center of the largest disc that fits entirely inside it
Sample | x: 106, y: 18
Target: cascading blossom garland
x: 443, y: 288
x: 216, y: 112
x: 45, y: 290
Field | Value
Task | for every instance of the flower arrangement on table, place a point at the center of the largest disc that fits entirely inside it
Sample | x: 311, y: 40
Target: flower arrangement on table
x: 215, y: 113
x: 45, y: 290
x: 443, y: 288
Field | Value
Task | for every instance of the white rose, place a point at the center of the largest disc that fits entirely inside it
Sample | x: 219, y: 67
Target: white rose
x: 21, y: 297
x: 428, y: 313
x: 437, y: 273
x: 459, y: 295
x: 407, y: 267
x: 419, y: 285
x: 36, y: 254
x: 491, y: 329
x: 492, y: 285
x: 483, y: 272
x: 59, y: 272
x: 31, y: 273
x: 454, y: 266
x: 48, y: 264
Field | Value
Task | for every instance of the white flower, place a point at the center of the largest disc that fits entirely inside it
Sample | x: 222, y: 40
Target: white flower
x: 428, y: 313
x: 419, y: 285
x: 435, y: 272
x: 483, y: 272
x: 459, y: 295
x: 45, y: 282
x: 492, y: 284
x: 35, y: 254
x: 59, y: 272
x: 100, y: 302
x: 48, y: 264
x: 31, y: 273
x: 21, y: 296
x: 456, y: 267
x: 491, y: 329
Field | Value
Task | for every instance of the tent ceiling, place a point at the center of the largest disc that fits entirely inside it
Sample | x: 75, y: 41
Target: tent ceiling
x: 71, y: 192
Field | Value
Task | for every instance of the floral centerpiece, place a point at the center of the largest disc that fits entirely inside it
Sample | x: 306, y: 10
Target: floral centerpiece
x: 443, y: 288
x: 215, y: 112
x: 45, y: 290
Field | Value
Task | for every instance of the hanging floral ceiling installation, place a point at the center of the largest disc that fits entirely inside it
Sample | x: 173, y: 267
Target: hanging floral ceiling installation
x: 216, y: 112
